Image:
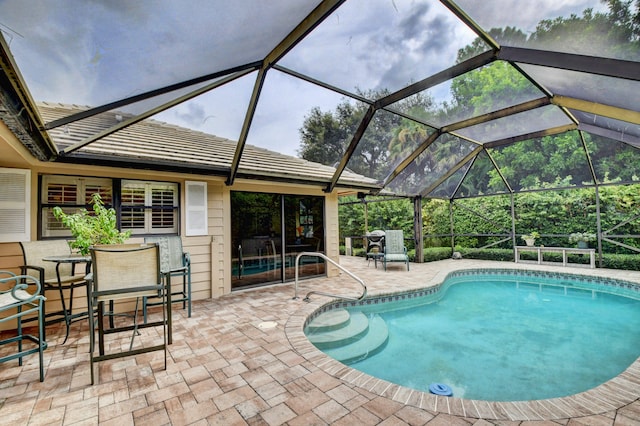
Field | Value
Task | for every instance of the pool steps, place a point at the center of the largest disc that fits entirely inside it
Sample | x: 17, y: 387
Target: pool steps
x: 351, y: 329
x: 330, y: 320
x: 347, y: 336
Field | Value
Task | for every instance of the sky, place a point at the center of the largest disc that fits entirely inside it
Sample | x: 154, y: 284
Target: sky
x: 97, y: 51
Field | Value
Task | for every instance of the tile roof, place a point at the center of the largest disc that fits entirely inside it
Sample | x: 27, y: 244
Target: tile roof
x: 151, y: 142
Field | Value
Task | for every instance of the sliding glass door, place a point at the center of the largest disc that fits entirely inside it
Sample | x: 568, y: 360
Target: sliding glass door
x: 268, y: 231
x: 304, y: 232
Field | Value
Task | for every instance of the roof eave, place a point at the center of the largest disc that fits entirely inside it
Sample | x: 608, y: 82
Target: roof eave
x: 208, y: 170
x: 18, y: 110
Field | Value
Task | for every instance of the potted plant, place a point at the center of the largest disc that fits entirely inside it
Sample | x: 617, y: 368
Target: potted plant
x: 89, y: 229
x: 530, y: 238
x: 582, y: 239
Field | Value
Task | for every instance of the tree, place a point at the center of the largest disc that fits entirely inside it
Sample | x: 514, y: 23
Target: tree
x: 509, y: 36
x: 612, y: 34
x: 538, y: 162
x: 409, y: 134
x: 387, y: 214
x: 322, y: 137
x: 325, y: 136
x: 488, y: 89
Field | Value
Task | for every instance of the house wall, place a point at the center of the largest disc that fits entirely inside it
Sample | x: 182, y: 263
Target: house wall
x: 210, y: 254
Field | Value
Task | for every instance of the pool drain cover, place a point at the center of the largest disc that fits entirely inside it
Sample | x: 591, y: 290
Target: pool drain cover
x: 267, y: 325
x: 440, y: 389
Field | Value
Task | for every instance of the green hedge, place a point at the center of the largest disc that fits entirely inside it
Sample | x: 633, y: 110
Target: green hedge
x: 488, y: 254
x: 629, y: 262
x: 437, y: 253
x: 430, y: 254
x: 356, y: 251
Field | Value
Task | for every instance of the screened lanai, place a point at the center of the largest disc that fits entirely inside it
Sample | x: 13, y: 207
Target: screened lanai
x: 429, y: 100
x: 436, y: 92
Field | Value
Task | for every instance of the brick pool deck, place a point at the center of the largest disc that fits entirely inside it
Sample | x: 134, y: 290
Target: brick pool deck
x: 226, y: 366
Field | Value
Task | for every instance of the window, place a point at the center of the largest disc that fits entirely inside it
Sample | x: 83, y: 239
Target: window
x: 71, y: 193
x: 144, y: 207
x: 149, y: 207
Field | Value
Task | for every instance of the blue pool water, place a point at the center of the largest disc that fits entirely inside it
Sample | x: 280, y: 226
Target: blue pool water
x: 508, y: 338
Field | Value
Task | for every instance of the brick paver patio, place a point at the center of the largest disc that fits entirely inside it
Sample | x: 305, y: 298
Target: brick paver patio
x: 227, y: 367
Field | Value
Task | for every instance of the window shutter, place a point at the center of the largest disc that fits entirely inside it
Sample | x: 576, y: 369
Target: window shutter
x: 149, y: 207
x: 163, y: 214
x: 133, y: 197
x: 15, y: 196
x: 71, y: 193
x: 196, y: 211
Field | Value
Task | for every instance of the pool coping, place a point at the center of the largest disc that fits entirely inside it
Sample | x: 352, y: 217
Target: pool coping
x: 611, y: 395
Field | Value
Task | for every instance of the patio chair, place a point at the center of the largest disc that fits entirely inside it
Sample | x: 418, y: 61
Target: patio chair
x: 394, y: 248
x: 59, y: 277
x: 315, y: 244
x: 176, y: 262
x: 126, y: 271
x: 273, y: 258
x: 21, y: 297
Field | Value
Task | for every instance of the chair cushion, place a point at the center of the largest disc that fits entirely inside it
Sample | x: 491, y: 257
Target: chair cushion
x: 394, y: 242
x: 171, y: 254
x: 35, y: 251
x: 7, y: 299
x: 396, y: 258
x: 125, y: 271
x: 65, y: 279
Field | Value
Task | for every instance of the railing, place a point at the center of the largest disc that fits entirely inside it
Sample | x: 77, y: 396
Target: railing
x: 321, y: 255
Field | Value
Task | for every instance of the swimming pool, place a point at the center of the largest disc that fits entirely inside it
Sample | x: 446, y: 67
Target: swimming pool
x: 545, y: 319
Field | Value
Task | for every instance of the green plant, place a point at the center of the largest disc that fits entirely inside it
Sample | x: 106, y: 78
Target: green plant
x: 533, y: 235
x: 89, y: 229
x: 582, y: 236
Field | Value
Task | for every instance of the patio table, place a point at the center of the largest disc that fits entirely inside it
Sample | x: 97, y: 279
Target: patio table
x: 376, y: 256
x: 73, y: 259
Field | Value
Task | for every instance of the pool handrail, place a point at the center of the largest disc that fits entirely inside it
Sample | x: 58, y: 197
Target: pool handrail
x: 337, y: 265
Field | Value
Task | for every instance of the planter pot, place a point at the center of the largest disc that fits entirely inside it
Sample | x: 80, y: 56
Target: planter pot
x: 583, y: 244
x: 530, y: 241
